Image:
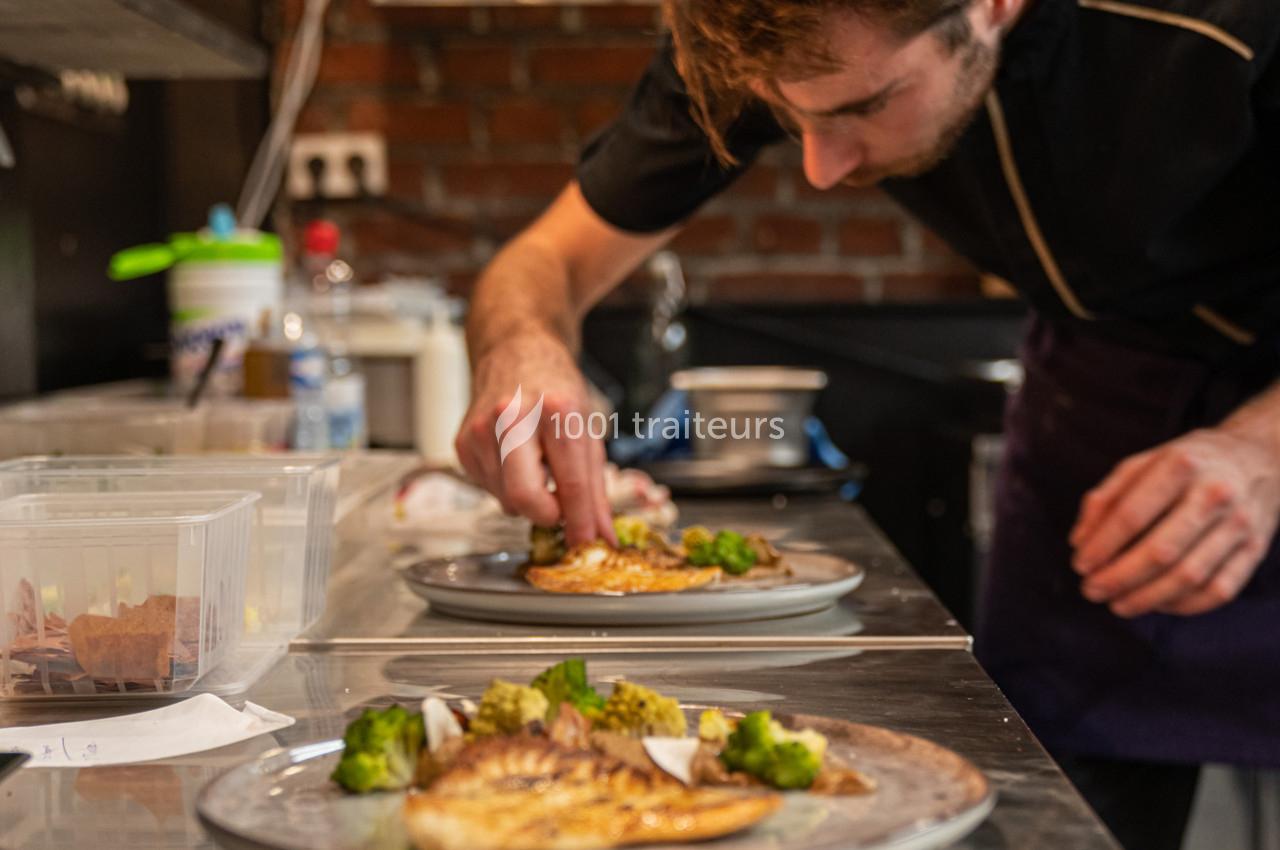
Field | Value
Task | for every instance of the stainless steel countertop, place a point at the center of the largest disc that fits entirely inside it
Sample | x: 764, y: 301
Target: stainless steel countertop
x: 942, y: 695
x: 370, y: 603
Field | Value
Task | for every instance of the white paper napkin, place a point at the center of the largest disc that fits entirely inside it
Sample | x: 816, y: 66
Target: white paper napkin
x: 204, y: 722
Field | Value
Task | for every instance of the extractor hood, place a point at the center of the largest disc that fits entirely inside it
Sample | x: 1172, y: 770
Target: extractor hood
x: 141, y: 39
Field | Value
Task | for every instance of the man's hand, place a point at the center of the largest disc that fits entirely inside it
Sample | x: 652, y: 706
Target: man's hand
x: 1181, y: 528
x: 541, y: 366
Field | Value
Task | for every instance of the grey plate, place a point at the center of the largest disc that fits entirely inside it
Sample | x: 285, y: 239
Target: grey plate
x: 927, y: 797
x: 486, y: 587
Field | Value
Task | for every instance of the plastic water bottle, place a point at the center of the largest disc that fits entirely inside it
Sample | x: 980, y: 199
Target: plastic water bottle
x: 308, y: 364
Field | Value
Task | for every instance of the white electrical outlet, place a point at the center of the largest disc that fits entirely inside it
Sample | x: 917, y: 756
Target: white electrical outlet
x: 336, y: 150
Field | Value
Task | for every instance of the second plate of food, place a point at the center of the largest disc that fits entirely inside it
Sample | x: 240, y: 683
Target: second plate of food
x: 492, y: 587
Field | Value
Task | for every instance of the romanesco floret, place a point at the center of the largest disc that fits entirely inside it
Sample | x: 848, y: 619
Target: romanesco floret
x: 632, y: 532
x: 638, y: 711
x: 506, y: 708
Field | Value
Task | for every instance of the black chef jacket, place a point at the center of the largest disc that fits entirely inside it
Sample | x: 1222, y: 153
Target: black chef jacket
x: 1124, y: 175
x: 1125, y: 171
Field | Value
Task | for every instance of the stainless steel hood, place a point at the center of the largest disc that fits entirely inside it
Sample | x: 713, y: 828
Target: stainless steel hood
x: 142, y: 39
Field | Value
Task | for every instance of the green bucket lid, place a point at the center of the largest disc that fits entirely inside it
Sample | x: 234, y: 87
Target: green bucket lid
x: 203, y: 247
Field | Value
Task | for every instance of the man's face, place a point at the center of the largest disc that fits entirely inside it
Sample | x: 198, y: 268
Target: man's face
x: 895, y: 108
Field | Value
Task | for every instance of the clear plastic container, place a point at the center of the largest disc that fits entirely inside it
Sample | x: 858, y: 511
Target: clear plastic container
x: 119, y: 593
x: 292, y: 549
x: 248, y: 425
x: 100, y: 426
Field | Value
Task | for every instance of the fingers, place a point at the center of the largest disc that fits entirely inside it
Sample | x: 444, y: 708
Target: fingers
x: 1097, y: 502
x: 571, y: 462
x: 1161, y: 549
x: 1192, y: 572
x: 1222, y: 586
x: 524, y: 486
x: 1149, y: 493
x: 603, y: 511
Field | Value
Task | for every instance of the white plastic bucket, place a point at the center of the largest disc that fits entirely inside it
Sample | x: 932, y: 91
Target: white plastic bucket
x: 233, y: 300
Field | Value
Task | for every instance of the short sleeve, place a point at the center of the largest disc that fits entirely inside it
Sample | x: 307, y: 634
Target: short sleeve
x: 654, y: 166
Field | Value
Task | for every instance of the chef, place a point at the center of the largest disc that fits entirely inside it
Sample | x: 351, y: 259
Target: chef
x: 1117, y: 162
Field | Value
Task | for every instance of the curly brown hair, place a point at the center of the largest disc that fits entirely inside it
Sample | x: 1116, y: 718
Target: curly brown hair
x: 722, y: 45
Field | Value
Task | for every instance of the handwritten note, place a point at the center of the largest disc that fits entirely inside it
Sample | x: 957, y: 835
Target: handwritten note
x: 204, y: 722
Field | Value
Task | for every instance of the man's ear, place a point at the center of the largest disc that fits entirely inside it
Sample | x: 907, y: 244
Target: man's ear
x: 997, y: 15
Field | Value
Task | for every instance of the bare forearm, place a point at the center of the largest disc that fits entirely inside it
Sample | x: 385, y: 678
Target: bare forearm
x: 524, y: 291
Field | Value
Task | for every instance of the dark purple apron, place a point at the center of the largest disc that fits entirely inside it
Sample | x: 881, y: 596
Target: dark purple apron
x: 1157, y: 688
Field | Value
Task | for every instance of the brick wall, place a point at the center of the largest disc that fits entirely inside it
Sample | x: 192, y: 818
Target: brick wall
x: 484, y: 110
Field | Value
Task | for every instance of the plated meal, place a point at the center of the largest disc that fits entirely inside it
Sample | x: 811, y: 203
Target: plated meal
x: 644, y: 561
x: 553, y: 765
x: 557, y: 764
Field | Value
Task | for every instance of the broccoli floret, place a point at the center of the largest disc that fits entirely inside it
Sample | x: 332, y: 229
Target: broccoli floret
x: 631, y: 531
x: 783, y: 759
x: 728, y: 549
x: 733, y: 553
x: 546, y: 544
x: 506, y: 708
x: 567, y: 682
x: 381, y: 751
x: 638, y: 711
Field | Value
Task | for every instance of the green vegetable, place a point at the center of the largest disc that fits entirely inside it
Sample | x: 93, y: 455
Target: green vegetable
x: 381, y: 752
x: 505, y: 709
x: 639, y: 711
x: 546, y: 544
x: 783, y: 759
x: 632, y: 532
x: 567, y: 682
x: 728, y: 549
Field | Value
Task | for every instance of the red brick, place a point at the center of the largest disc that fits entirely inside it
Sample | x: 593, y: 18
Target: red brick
x: 316, y: 119
x: 707, y: 235
x: 475, y: 65
x: 867, y: 236
x: 619, y: 16
x: 461, y: 283
x: 528, y: 120
x: 382, y: 232
x: 526, y: 17
x: 926, y: 286
x: 424, y: 17
x: 371, y: 63
x: 840, y: 192
x: 795, y: 287
x: 407, y: 121
x: 620, y: 64
x: 784, y: 234
x: 405, y: 179
x: 596, y: 112
x: 758, y: 181
x: 506, y: 179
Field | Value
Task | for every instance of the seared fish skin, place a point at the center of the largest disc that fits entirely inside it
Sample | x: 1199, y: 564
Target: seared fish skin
x: 597, y: 568
x: 529, y: 793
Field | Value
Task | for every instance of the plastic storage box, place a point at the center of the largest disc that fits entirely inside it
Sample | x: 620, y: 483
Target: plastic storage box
x: 247, y: 425
x: 100, y: 426
x: 292, y: 548
x: 119, y: 593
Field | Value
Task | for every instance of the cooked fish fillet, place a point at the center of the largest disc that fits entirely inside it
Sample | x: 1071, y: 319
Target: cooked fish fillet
x: 597, y: 568
x: 528, y: 793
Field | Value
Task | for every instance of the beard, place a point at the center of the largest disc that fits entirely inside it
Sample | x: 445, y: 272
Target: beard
x: 975, y: 78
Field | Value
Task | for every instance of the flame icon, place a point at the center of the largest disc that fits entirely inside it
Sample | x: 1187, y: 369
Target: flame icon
x: 519, y: 433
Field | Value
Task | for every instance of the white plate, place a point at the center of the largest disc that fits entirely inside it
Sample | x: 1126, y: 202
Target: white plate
x: 487, y: 587
x: 927, y: 797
